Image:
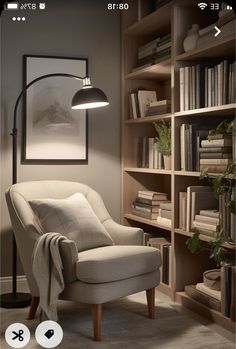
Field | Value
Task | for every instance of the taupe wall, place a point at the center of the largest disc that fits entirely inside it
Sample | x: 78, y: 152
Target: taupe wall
x: 71, y: 28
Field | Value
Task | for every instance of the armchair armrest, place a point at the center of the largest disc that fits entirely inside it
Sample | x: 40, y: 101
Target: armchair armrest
x: 124, y: 235
x: 69, y: 256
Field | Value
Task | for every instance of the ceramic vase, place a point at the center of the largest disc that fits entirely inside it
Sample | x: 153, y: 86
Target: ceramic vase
x: 190, y: 42
x: 167, y: 162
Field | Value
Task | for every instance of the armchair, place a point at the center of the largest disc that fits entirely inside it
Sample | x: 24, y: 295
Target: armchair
x: 94, y: 276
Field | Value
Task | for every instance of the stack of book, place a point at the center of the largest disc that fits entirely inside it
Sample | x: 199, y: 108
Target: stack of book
x: 155, y: 51
x: 166, y: 250
x: 140, y: 101
x: 190, y: 140
x: 159, y: 107
x: 196, y: 199
x: 206, y: 295
x: 216, y: 153
x: 163, y: 48
x: 147, y: 53
x: 148, y: 155
x: 204, y: 86
x: 207, y: 222
x: 165, y: 214
x: 147, y: 203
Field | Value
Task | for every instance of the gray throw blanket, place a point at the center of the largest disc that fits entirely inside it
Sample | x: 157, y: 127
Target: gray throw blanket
x: 47, y: 270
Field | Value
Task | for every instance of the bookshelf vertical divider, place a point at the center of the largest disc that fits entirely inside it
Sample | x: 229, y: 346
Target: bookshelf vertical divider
x: 139, y: 28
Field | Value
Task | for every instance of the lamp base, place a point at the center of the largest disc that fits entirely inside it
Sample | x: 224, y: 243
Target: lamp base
x: 18, y: 300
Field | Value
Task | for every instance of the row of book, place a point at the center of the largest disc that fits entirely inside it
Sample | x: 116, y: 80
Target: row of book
x: 222, y: 298
x: 204, y: 86
x: 198, y: 153
x: 147, y: 154
x: 165, y: 248
x: 148, y: 203
x: 154, y: 51
x: 200, y: 210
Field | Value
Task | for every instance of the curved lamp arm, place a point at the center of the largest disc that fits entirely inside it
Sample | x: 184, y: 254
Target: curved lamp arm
x: 38, y: 79
x: 87, y: 97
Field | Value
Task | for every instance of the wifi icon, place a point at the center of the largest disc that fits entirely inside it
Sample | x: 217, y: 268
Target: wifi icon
x: 202, y: 5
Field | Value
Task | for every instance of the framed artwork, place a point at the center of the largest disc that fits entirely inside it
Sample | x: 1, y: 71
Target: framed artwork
x: 52, y: 131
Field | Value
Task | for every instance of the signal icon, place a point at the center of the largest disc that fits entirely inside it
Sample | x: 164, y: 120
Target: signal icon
x: 202, y: 5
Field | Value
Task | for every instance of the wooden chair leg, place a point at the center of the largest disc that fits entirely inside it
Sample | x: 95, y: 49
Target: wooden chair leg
x: 97, y: 318
x: 33, y: 308
x: 151, y: 302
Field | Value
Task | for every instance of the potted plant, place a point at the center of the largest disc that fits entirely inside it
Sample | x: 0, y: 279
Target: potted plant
x: 163, y: 141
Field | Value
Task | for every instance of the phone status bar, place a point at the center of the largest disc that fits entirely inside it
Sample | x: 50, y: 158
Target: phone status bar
x: 25, y: 6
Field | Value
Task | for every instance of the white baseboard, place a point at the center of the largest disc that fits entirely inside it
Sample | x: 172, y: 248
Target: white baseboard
x: 6, y: 284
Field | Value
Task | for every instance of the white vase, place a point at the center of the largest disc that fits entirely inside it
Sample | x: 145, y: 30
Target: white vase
x: 167, y: 162
x: 190, y: 42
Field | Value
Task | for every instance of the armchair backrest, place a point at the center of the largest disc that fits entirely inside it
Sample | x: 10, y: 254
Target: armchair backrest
x: 25, y: 223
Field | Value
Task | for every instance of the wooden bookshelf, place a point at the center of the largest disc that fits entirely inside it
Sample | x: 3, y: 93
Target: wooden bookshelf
x: 140, y: 26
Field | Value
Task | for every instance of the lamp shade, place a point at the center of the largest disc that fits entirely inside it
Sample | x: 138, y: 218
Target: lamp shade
x: 89, y: 97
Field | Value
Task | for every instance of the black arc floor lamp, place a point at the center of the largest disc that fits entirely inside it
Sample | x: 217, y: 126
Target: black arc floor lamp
x: 87, y: 97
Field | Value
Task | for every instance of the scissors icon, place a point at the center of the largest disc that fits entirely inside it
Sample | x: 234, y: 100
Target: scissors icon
x: 18, y: 335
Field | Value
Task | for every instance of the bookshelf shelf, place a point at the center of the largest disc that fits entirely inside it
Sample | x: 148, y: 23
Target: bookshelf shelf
x: 227, y: 109
x: 159, y: 71
x: 203, y: 310
x: 146, y: 221
x: 203, y: 238
x: 156, y: 21
x: 193, y: 174
x: 148, y: 119
x: 147, y: 170
x: 219, y: 49
x: 139, y: 29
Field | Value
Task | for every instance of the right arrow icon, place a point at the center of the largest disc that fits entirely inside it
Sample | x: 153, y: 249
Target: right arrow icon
x: 218, y: 31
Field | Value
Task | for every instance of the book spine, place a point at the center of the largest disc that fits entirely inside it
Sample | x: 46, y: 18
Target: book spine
x: 181, y: 89
x: 209, y: 87
x: 206, y: 87
x: 225, y: 81
x: 186, y: 88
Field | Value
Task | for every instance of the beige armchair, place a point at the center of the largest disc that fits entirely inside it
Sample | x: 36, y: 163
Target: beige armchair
x: 118, y: 270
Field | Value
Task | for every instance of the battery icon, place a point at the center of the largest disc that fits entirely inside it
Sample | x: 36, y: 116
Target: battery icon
x: 12, y: 6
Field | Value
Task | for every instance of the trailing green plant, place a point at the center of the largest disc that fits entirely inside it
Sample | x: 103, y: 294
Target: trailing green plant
x: 216, y: 247
x: 225, y: 128
x: 221, y: 184
x: 163, y: 141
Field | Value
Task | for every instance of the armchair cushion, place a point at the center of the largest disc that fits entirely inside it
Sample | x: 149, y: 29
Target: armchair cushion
x: 74, y: 218
x: 113, y: 263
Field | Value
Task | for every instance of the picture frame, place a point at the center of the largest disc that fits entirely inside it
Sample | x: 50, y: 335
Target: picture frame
x: 52, y: 131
